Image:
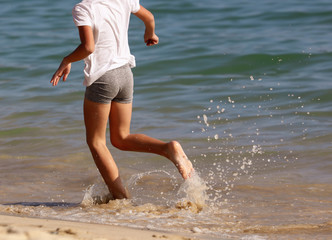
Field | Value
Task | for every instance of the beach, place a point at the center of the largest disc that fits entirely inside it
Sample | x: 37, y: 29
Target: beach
x: 21, y: 228
x: 245, y: 87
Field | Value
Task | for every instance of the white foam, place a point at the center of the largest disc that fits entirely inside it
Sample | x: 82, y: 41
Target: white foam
x: 253, y: 237
x: 194, y: 189
x: 96, y: 194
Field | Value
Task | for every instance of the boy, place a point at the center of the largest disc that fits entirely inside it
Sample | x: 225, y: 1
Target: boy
x: 103, y: 30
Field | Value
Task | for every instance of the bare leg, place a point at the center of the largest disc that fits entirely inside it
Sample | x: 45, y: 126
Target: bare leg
x: 95, y: 117
x: 120, y: 118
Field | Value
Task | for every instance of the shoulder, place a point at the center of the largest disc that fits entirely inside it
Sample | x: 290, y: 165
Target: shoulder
x: 82, y: 13
x: 85, y: 6
x: 134, y: 5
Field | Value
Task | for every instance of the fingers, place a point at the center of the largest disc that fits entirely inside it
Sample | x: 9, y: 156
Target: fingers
x: 66, y: 72
x: 55, y: 79
x: 57, y: 76
x: 65, y: 76
x: 151, y: 42
x: 62, y: 72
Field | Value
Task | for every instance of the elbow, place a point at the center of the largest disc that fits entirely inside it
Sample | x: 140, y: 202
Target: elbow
x: 89, y: 48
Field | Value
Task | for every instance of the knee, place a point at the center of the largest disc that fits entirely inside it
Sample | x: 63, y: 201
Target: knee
x: 95, y: 144
x: 119, y: 142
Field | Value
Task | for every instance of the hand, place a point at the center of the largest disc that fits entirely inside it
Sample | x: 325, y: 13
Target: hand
x: 62, y: 72
x: 151, y: 40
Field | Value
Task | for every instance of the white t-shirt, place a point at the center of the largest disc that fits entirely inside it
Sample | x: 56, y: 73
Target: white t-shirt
x: 109, y: 20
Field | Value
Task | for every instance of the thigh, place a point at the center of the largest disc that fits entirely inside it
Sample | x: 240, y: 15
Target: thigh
x: 119, y: 119
x: 95, y: 119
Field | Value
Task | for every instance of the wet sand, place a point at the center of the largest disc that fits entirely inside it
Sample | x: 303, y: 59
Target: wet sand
x: 22, y: 228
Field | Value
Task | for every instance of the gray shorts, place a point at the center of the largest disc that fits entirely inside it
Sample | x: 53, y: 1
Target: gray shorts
x: 115, y: 85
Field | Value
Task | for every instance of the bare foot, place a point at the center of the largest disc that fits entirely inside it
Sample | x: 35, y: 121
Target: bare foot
x: 180, y: 160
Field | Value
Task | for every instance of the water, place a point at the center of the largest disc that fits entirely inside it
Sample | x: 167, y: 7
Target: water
x: 245, y: 87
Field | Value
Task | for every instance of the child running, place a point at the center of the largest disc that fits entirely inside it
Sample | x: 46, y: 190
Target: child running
x: 103, y: 30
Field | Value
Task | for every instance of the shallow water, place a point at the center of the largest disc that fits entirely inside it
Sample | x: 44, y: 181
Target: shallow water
x: 244, y: 87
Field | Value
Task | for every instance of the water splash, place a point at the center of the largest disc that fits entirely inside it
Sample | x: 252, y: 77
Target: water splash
x: 96, y: 194
x: 194, y: 190
x: 241, y: 143
x: 136, y: 177
x: 191, y: 195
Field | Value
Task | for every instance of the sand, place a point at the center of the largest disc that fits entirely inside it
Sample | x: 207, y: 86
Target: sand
x: 23, y: 228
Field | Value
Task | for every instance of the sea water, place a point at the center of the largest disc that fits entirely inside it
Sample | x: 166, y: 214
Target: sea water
x: 244, y: 86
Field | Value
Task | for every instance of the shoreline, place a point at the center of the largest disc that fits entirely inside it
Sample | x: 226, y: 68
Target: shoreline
x: 28, y: 228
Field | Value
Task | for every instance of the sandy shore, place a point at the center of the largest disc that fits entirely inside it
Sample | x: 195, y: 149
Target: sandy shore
x: 22, y: 228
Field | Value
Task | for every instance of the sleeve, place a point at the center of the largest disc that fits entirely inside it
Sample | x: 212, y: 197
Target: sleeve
x: 81, y: 15
x: 135, y: 6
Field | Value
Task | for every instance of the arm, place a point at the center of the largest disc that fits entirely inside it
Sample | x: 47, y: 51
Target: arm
x: 86, y: 47
x: 150, y: 38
